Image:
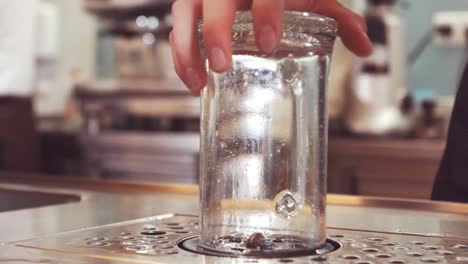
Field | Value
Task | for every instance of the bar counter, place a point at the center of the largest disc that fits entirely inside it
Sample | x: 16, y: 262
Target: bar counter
x: 105, y: 202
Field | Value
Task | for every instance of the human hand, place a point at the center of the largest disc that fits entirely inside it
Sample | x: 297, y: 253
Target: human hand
x: 218, y: 17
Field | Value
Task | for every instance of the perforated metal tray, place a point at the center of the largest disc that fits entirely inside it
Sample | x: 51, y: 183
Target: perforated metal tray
x: 158, y: 240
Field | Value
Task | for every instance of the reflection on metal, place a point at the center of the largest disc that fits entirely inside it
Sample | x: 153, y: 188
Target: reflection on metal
x: 381, y: 202
x: 158, y: 239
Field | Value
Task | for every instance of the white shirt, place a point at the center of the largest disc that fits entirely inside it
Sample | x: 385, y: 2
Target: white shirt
x: 17, y: 47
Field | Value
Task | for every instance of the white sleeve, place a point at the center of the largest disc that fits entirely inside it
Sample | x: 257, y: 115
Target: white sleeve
x: 17, y: 46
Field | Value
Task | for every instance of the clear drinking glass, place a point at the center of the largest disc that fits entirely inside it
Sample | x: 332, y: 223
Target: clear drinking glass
x: 264, y: 141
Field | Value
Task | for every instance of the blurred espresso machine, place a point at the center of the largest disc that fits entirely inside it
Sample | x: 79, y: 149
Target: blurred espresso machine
x: 379, y: 82
x: 139, y: 116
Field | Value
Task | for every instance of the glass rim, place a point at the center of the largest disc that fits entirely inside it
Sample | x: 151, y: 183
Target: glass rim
x: 307, y: 22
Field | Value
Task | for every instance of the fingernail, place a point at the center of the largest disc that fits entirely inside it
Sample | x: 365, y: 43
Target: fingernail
x: 267, y: 39
x: 218, y: 59
x: 193, y: 80
x: 365, y: 35
x: 363, y: 27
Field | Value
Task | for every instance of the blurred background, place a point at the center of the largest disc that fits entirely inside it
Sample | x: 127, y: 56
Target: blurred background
x: 108, y: 105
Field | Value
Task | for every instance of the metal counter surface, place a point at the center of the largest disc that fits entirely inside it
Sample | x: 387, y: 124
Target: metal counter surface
x: 110, y: 202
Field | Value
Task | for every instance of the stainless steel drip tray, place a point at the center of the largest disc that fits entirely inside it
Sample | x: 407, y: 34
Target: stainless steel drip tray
x: 159, y: 239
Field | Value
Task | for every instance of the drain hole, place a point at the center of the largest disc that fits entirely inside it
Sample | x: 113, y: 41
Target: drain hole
x: 129, y: 243
x: 96, y: 239
x: 153, y: 233
x: 166, y: 247
x: 385, y: 244
x: 376, y: 239
x: 430, y: 260
x: 444, y: 252
x: 137, y: 248
x: 383, y: 256
x: 98, y: 244
x: 397, y: 261
x: 414, y: 254
x: 127, y: 238
x: 285, y: 260
x: 336, y: 236
x: 172, y: 224
x: 351, y: 257
x: 359, y: 245
x: 430, y: 247
x: 153, y: 237
x: 182, y: 232
x: 159, y: 242
x: 176, y: 227
x: 370, y: 250
x: 319, y: 258
x: 460, y: 246
x: 170, y: 253
x: 401, y: 248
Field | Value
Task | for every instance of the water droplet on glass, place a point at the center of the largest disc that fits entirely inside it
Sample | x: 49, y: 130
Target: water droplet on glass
x: 286, y: 205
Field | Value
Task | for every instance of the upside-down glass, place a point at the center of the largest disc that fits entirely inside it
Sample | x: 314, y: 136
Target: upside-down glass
x: 264, y: 141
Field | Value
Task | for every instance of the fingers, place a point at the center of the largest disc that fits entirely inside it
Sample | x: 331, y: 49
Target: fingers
x: 179, y: 69
x: 267, y: 22
x: 175, y: 59
x: 184, y: 42
x: 218, y: 17
x: 352, y: 27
